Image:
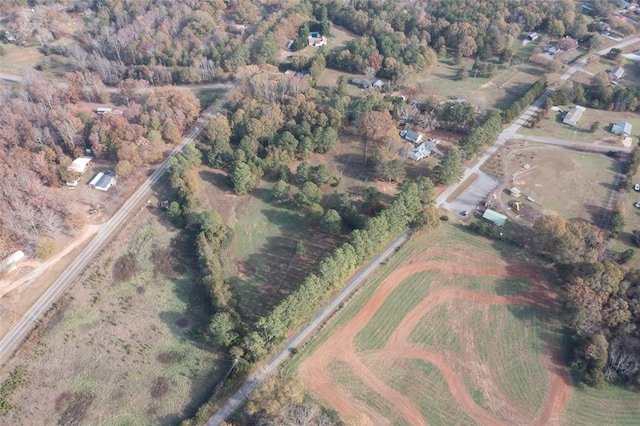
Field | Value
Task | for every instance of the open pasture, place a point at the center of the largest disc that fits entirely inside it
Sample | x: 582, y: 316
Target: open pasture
x: 572, y: 184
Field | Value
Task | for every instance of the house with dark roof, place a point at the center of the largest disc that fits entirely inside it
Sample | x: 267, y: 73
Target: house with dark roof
x: 363, y: 84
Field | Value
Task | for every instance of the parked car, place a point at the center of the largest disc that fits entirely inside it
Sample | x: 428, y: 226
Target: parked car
x: 637, y: 187
x: 638, y: 204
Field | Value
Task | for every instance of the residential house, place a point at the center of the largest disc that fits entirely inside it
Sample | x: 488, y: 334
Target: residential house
x: 574, y: 115
x: 552, y: 49
x: 80, y: 164
x: 363, y: 84
x: 621, y: 128
x: 378, y: 83
x: 103, y: 181
x: 411, y: 136
x: 421, y: 151
x: 617, y: 73
x: 603, y: 27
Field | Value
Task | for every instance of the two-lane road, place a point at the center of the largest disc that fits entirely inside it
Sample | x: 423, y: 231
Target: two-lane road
x: 104, y: 233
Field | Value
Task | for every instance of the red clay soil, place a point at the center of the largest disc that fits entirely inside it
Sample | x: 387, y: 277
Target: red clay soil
x: 315, y: 372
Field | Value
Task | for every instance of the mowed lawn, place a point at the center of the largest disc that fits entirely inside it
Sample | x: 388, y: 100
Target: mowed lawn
x: 126, y: 349
x: 608, y: 406
x: 572, y: 184
x: 553, y: 127
x: 504, y: 342
x: 507, y: 85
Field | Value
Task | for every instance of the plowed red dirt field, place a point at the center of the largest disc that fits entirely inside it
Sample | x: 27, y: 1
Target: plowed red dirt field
x: 318, y: 372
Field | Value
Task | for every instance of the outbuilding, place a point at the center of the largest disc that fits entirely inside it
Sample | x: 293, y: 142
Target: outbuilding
x: 103, y: 181
x: 617, y: 73
x: 80, y: 164
x: 494, y: 217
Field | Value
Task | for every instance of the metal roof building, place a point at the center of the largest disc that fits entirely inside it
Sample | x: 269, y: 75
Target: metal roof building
x: 574, y: 115
x: 80, y: 164
x: 495, y: 217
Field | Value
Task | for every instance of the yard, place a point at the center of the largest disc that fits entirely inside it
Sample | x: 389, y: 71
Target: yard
x: 572, y: 184
x: 431, y: 339
x: 127, y: 344
x: 552, y: 126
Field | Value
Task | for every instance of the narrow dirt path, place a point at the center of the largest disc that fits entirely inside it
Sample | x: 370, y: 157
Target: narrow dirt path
x: 315, y: 372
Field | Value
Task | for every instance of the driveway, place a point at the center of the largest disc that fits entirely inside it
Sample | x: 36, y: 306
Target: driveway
x: 474, y: 196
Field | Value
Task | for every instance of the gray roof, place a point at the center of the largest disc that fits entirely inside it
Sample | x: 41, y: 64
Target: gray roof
x: 412, y: 136
x: 574, y: 115
x: 622, y: 127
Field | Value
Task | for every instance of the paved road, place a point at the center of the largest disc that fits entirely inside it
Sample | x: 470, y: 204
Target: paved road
x: 256, y: 379
x: 104, y: 233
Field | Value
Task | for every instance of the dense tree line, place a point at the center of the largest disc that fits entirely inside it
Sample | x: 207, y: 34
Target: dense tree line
x: 401, y: 36
x: 599, y: 94
x: 529, y: 97
x: 603, y: 301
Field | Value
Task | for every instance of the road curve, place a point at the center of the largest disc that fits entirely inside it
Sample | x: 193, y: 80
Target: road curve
x: 104, y: 233
x: 237, y: 399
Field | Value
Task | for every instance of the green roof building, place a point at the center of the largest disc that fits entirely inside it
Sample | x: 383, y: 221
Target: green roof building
x: 495, y: 217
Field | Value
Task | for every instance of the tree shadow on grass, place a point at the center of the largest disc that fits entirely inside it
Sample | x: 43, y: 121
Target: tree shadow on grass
x: 597, y: 214
x: 274, y: 270
x: 511, y: 94
x: 216, y: 177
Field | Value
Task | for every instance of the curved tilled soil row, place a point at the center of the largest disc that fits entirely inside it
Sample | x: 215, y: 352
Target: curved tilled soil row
x: 315, y: 371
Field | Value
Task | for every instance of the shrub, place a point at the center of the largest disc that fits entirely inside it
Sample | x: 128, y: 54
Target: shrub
x: 45, y: 247
x: 125, y: 267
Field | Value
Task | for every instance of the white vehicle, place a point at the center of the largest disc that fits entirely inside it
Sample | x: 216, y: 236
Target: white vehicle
x: 638, y: 204
x: 637, y: 187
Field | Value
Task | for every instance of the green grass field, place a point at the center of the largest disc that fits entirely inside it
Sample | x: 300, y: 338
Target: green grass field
x: 435, y: 330
x: 363, y: 393
x: 413, y: 377
x: 506, y: 341
x: 386, y: 319
x: 608, y: 406
x: 509, y: 341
